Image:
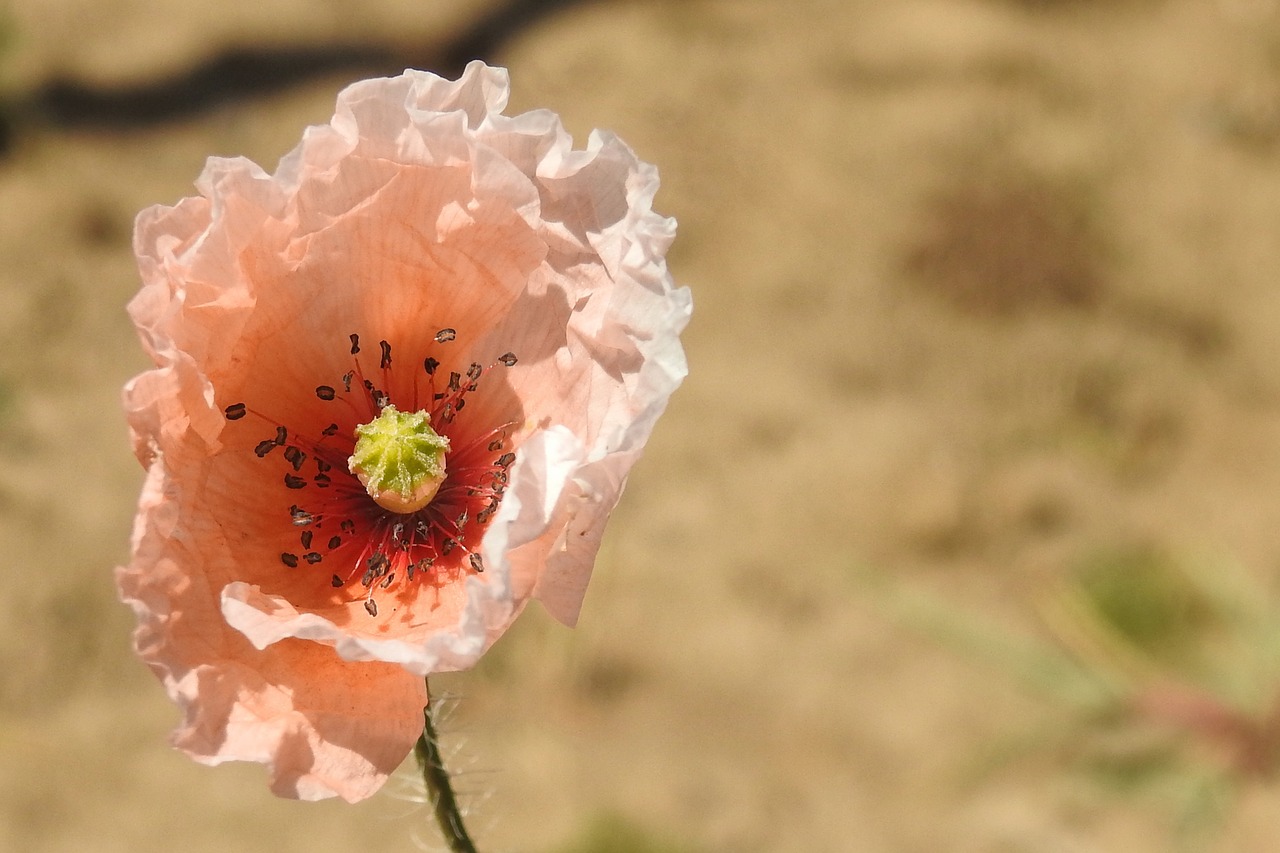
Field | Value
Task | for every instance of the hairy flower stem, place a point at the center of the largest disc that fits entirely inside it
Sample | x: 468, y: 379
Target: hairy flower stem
x: 439, y: 789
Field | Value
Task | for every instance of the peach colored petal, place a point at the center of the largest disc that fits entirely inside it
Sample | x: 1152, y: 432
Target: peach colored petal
x: 451, y: 240
x: 323, y: 726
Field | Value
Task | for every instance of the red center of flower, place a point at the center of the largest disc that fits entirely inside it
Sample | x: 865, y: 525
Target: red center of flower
x: 342, y: 527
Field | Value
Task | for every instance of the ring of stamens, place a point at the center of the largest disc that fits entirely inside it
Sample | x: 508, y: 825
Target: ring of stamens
x: 381, y: 547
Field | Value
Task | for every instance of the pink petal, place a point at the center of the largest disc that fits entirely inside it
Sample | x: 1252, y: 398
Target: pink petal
x: 323, y: 726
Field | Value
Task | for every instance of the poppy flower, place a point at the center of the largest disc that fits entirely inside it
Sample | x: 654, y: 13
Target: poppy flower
x: 398, y: 387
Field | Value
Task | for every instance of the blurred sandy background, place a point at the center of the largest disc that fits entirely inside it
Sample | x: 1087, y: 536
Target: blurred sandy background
x: 986, y: 308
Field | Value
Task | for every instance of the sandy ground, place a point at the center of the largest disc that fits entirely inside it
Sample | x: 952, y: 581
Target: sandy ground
x: 983, y: 289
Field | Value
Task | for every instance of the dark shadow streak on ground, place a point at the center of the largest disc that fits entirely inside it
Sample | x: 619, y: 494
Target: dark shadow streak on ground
x: 241, y: 73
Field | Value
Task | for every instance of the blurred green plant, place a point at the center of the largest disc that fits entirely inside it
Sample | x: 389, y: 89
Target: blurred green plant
x: 1142, y: 597
x: 1169, y: 672
x: 612, y: 833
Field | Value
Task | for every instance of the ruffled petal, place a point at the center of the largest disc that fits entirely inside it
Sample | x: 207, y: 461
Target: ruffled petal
x: 323, y: 726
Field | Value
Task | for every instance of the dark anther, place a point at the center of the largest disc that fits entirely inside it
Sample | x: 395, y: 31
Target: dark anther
x: 445, y: 335
x: 507, y: 359
x: 386, y: 354
x: 446, y: 546
x: 474, y: 371
x: 506, y: 459
x: 380, y: 399
x: 235, y: 411
x: 482, y: 517
x: 322, y: 481
x: 305, y: 538
x: 454, y: 380
x: 325, y: 392
x: 460, y: 520
x: 430, y: 365
x: 422, y: 527
x: 446, y: 413
x: 301, y: 517
x: 396, y: 530
x: 476, y: 562
x: 495, y: 445
x: 312, y: 558
x: 388, y: 580
x: 371, y: 607
x: 293, y: 482
x: 336, y: 581
x: 282, y: 436
x: 348, y: 526
x: 290, y: 560
x: 264, y: 447
x: 346, y: 380
x: 355, y: 344
x: 334, y: 542
x: 295, y: 457
x: 322, y: 466
x: 460, y: 404
x: 331, y: 429
x: 409, y: 569
x: 378, y: 563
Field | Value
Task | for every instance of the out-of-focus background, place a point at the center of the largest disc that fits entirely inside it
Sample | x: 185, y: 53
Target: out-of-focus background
x: 961, y: 535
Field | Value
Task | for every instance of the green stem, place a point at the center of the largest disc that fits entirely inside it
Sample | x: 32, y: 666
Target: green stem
x: 439, y: 790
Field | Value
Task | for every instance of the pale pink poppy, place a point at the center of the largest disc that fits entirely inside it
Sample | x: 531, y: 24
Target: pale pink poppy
x: 423, y: 252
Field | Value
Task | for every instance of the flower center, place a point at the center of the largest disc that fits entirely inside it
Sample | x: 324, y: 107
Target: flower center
x: 399, y: 459
x: 401, y: 519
